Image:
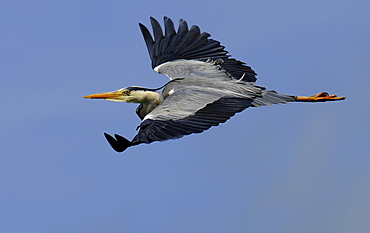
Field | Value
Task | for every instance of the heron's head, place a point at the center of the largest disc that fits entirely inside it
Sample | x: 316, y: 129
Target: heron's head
x: 127, y: 94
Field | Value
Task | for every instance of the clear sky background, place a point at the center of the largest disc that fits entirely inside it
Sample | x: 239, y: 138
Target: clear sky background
x: 298, y: 167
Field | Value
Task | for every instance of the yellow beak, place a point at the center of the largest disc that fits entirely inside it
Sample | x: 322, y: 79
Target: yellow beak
x: 103, y: 95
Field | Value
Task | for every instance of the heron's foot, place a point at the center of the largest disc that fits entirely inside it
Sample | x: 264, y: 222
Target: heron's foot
x: 118, y: 143
x: 321, y: 97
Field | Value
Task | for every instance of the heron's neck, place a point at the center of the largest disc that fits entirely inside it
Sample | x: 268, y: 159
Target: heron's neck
x: 144, y: 97
x: 148, y: 100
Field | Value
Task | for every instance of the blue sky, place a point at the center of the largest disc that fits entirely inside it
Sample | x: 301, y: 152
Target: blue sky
x: 293, y: 168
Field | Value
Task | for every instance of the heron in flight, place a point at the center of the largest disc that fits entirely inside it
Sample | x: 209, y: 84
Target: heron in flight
x: 206, y: 87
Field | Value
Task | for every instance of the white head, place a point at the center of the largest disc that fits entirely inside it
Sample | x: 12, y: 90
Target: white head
x: 128, y: 95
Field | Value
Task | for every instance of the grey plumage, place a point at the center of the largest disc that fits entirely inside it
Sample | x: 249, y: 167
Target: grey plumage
x: 197, y: 103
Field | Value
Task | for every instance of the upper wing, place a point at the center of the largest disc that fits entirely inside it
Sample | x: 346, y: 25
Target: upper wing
x: 190, y: 45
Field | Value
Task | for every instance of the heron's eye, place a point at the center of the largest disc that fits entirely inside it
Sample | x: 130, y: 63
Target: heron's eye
x: 126, y: 92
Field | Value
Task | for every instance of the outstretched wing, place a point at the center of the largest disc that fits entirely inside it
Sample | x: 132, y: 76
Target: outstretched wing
x: 190, y: 44
x: 186, y: 112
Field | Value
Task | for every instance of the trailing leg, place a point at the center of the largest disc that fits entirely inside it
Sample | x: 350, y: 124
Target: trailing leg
x: 321, y: 97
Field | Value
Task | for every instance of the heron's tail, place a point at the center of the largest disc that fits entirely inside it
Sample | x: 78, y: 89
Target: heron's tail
x: 271, y: 97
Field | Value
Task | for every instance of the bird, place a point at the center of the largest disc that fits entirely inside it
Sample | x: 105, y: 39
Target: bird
x: 206, y: 86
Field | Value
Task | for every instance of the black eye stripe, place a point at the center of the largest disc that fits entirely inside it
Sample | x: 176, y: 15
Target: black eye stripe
x: 142, y: 89
x: 136, y: 89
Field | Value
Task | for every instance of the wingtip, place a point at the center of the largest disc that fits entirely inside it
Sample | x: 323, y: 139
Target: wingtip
x: 118, y: 143
x: 153, y: 20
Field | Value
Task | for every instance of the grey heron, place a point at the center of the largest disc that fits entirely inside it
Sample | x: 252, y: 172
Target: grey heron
x: 206, y: 86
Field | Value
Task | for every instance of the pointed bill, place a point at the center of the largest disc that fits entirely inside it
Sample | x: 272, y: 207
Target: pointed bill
x: 103, y: 95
